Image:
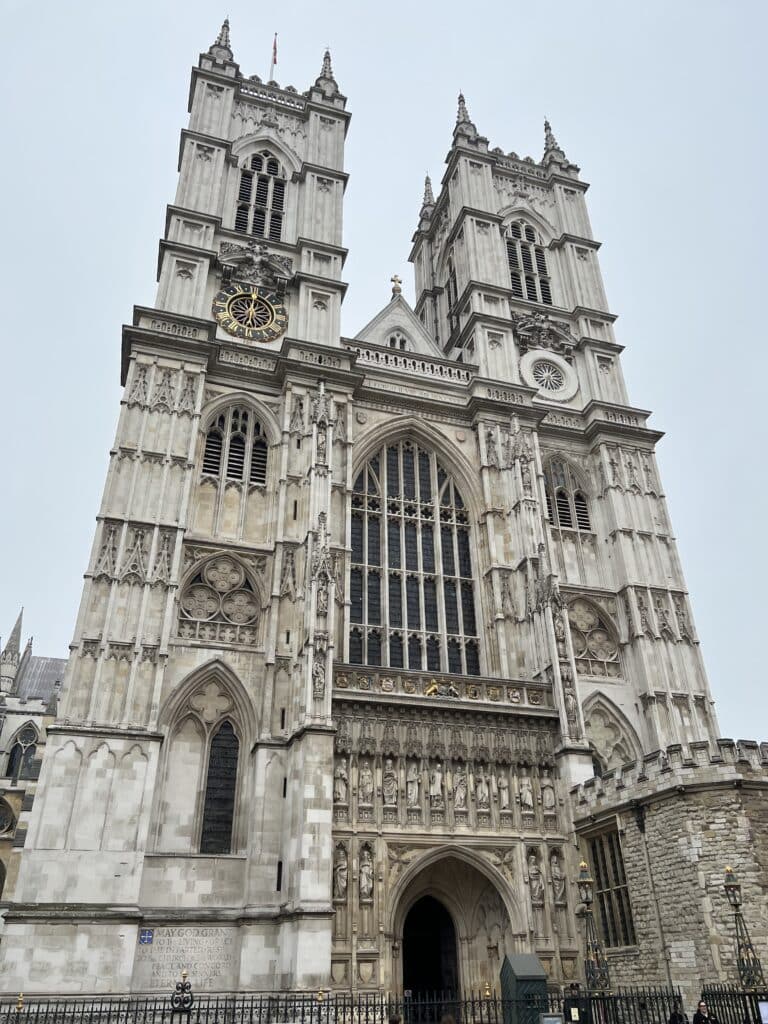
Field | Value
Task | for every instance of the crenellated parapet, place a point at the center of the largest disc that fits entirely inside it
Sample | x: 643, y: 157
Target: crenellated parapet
x: 672, y: 772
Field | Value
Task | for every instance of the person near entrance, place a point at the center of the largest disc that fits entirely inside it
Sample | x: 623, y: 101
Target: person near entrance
x: 702, y: 1015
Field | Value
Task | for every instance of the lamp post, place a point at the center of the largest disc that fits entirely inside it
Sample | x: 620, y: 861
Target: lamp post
x: 750, y: 968
x: 595, y: 964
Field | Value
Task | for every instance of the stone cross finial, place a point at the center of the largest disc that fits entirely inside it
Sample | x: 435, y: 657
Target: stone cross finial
x: 396, y: 282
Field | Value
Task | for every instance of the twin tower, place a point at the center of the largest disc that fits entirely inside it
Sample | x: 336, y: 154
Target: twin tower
x: 359, y: 612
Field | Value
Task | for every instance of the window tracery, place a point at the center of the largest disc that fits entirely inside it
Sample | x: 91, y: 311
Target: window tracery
x: 398, y: 340
x: 219, y: 603
x: 411, y: 580
x: 594, y: 643
x: 528, y: 271
x: 22, y: 754
x: 261, y: 197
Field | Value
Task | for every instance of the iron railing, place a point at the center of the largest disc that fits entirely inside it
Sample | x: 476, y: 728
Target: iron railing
x: 624, y: 1006
x: 732, y: 1004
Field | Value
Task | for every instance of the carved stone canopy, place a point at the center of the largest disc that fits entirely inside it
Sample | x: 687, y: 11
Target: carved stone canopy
x: 537, y: 331
x: 253, y: 263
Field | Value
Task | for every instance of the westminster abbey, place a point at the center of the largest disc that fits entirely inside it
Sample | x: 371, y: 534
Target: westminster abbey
x: 380, y: 635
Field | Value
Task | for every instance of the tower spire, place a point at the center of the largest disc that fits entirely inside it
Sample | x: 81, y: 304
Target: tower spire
x: 552, y: 150
x: 9, y: 659
x: 429, y: 195
x: 326, y: 82
x: 221, y: 48
x: 464, y: 124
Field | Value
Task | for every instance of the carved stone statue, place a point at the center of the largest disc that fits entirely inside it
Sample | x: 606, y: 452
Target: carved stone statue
x: 366, y: 874
x: 460, y: 788
x: 526, y: 794
x: 322, y: 597
x: 318, y: 679
x: 490, y: 448
x: 412, y: 782
x: 502, y: 783
x: 365, y: 785
x: 558, y: 879
x: 340, y: 781
x: 436, y: 786
x: 321, y: 445
x: 548, y: 800
x: 482, y: 792
x: 389, y: 784
x: 535, y: 879
x: 340, y: 873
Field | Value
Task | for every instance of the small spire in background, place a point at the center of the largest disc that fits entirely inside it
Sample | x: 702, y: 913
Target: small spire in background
x: 13, y: 647
x: 429, y: 195
x: 221, y: 49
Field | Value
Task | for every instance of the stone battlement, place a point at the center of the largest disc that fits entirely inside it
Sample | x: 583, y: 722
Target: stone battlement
x: 674, y: 770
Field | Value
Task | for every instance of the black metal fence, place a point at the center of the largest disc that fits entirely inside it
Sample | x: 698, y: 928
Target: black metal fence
x: 730, y: 1004
x: 624, y: 1006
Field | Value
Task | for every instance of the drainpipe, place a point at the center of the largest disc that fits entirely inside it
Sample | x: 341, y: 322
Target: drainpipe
x: 638, y: 810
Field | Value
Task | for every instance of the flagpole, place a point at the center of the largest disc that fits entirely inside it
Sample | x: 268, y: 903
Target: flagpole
x: 274, y: 59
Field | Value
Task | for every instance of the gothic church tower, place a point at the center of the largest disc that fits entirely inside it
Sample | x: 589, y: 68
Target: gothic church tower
x: 358, y: 612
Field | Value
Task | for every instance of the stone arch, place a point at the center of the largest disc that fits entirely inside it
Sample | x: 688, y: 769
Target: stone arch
x: 525, y: 212
x: 578, y: 473
x: 477, y: 898
x: 239, y: 398
x: 175, y: 707
x: 401, y: 428
x: 22, y: 749
x: 247, y: 145
x: 610, y: 733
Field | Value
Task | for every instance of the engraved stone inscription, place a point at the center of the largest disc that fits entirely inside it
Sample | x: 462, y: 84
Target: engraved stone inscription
x: 209, y: 955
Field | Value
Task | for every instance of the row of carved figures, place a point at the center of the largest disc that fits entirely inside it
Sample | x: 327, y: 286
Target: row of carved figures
x: 457, y: 784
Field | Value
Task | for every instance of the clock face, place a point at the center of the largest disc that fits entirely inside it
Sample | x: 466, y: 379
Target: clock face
x: 250, y: 313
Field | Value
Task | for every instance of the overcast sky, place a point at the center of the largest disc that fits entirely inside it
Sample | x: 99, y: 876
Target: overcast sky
x: 660, y: 103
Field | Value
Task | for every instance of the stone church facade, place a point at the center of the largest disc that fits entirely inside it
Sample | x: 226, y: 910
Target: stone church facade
x: 371, y: 626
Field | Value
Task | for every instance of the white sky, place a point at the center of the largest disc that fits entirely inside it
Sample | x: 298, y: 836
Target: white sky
x: 660, y: 103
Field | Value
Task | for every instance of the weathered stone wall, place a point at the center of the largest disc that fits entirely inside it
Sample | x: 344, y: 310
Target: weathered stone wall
x: 682, y: 817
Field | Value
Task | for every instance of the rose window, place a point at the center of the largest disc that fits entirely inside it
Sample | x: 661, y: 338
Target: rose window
x: 594, y: 647
x: 7, y: 819
x: 548, y: 376
x: 219, y: 604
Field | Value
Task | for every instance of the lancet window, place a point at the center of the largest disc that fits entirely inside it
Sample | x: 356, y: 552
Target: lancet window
x: 22, y: 754
x: 261, y: 197
x: 236, y: 448
x: 528, y: 271
x: 567, y: 506
x: 411, y: 580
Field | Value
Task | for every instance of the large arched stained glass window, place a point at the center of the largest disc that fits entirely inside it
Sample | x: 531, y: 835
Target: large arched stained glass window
x: 412, y: 601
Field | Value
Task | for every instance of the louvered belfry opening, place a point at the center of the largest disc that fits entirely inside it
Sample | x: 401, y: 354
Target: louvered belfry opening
x: 569, y: 509
x: 261, y: 198
x: 412, y: 602
x: 528, y: 272
x: 235, y: 441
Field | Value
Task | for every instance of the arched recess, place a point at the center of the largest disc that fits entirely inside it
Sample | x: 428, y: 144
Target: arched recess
x: 479, y: 899
x: 211, y: 725
x: 414, y: 600
x: 519, y: 211
x: 610, y: 733
x: 235, y: 456
x: 247, y: 145
x: 595, y: 639
x: 221, y: 599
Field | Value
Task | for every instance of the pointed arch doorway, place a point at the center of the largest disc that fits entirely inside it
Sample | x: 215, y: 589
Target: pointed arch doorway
x: 430, y: 961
